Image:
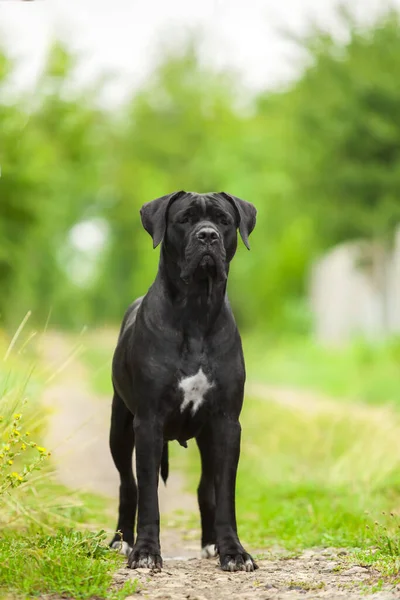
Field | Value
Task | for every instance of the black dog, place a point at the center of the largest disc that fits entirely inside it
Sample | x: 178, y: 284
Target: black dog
x: 178, y: 373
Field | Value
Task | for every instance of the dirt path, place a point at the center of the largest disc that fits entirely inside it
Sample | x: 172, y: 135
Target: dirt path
x: 78, y: 438
x: 314, y: 574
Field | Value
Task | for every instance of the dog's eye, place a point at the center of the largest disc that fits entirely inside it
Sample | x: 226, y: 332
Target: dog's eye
x: 184, y: 219
x: 222, y: 219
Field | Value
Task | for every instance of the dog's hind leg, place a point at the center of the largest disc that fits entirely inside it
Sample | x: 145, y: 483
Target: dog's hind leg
x: 206, y: 496
x: 122, y: 441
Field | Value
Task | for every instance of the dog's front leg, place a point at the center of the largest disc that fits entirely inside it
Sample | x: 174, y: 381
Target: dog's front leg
x: 149, y: 443
x: 226, y: 438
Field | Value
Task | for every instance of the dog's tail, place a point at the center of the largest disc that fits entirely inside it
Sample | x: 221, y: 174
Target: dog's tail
x: 164, y: 468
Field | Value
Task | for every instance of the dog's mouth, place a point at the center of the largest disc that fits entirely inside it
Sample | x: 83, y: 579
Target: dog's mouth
x: 207, y: 261
x: 202, y: 266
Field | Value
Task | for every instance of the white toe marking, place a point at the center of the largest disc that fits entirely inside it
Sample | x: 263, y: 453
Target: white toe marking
x: 123, y: 548
x: 144, y: 563
x: 194, y: 389
x: 249, y: 565
x: 231, y: 566
x: 209, y: 551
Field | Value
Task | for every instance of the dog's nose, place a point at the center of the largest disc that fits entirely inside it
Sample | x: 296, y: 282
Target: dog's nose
x: 207, y: 235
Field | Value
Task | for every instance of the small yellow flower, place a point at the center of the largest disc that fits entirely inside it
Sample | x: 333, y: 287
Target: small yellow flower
x: 41, y: 449
x: 23, y: 446
x: 17, y: 416
x: 27, y: 433
x: 16, y: 432
x: 6, y: 447
x: 15, y: 475
x: 10, y: 462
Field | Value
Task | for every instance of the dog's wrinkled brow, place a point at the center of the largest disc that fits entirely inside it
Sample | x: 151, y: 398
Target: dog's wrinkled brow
x: 202, y: 202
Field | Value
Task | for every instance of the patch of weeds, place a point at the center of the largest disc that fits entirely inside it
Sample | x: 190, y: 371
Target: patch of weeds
x: 261, y: 556
x: 378, y: 586
x: 384, y: 551
x: 20, y: 455
x: 338, y: 569
x: 70, y: 563
x: 129, y: 588
x: 388, y: 539
x: 307, y: 586
x: 14, y: 471
x: 290, y: 555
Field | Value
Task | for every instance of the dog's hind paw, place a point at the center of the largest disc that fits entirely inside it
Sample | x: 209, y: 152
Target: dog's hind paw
x: 238, y: 562
x: 209, y: 551
x: 122, y: 547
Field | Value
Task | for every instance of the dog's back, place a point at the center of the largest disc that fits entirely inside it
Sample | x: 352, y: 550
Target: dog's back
x: 130, y: 316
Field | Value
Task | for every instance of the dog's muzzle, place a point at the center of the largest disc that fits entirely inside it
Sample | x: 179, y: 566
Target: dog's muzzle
x: 206, y: 251
x: 208, y: 237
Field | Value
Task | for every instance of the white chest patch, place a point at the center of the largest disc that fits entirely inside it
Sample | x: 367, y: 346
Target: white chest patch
x: 194, y: 389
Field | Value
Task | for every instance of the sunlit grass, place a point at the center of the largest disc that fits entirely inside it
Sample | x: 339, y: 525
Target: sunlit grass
x: 312, y: 477
x: 21, y: 453
x: 306, y: 478
x: 358, y: 370
x: 50, y: 542
x: 68, y: 563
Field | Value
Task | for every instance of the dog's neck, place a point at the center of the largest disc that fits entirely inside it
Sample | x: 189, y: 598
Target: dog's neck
x: 197, y: 303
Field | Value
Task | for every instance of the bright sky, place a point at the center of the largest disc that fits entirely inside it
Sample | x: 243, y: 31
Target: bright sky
x: 123, y: 36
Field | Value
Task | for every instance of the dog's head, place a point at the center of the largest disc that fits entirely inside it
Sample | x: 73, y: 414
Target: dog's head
x: 199, y: 231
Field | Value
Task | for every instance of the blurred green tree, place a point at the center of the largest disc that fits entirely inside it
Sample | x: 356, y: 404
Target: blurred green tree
x: 320, y: 160
x: 50, y: 177
x: 348, y: 120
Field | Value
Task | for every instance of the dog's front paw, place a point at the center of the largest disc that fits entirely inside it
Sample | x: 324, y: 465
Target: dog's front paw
x: 240, y: 561
x: 142, y: 557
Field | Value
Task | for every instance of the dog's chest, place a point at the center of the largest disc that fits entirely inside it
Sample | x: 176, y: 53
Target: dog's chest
x: 193, y: 391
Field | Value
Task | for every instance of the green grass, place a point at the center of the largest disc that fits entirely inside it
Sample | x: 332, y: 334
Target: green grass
x: 314, y: 478
x: 384, y: 555
x: 43, y: 502
x: 68, y: 564
x: 50, y: 541
x: 359, y: 370
x: 51, y: 544
x: 306, y: 479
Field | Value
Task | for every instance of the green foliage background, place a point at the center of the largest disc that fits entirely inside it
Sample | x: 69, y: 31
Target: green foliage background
x: 320, y: 159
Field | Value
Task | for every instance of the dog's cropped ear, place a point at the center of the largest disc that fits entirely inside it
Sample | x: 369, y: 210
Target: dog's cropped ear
x: 246, y: 213
x: 154, y: 216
